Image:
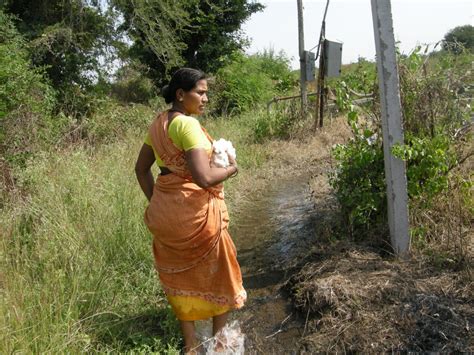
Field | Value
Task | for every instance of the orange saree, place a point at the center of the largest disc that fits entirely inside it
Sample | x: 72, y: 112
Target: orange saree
x: 194, y: 254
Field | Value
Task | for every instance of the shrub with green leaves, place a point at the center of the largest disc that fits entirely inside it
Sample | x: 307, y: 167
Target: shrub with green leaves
x: 433, y: 112
x: 249, y: 81
x: 429, y: 161
x: 360, y: 77
x: 26, y: 99
x: 359, y: 182
x: 359, y: 179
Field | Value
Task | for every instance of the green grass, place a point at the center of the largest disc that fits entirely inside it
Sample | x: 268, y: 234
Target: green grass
x: 76, y: 263
x: 77, y: 270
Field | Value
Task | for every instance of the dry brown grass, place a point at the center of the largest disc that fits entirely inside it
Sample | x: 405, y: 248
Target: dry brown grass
x: 354, y: 300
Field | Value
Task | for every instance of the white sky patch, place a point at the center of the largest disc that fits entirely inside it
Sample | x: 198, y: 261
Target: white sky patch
x: 416, y: 22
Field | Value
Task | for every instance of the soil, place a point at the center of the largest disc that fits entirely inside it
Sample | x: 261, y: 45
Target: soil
x: 310, y: 292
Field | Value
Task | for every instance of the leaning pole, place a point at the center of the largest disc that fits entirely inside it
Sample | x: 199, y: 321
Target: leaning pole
x: 390, y: 105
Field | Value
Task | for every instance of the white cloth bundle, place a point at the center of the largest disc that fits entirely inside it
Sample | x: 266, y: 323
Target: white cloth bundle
x: 221, y: 151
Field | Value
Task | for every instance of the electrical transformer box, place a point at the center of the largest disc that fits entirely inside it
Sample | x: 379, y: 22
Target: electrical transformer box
x: 332, y: 58
x: 310, y: 59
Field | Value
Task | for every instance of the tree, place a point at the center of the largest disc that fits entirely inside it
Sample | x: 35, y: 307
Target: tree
x: 26, y: 99
x: 461, y: 35
x: 197, y: 33
x: 216, y: 32
x: 155, y: 29
x: 67, y: 38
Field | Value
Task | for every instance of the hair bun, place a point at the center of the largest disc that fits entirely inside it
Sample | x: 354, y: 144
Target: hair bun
x: 165, y: 90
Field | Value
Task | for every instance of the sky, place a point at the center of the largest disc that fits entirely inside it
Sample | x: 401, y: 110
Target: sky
x: 415, y: 22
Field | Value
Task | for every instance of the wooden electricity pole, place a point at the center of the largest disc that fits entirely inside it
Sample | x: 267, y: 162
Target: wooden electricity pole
x: 321, y: 76
x: 320, y: 87
x: 395, y: 174
x: 304, y: 95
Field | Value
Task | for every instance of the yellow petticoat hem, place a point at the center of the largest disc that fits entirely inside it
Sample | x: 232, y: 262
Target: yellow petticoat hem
x: 189, y: 308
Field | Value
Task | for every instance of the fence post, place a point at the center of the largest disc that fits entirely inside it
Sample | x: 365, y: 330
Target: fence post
x: 390, y: 105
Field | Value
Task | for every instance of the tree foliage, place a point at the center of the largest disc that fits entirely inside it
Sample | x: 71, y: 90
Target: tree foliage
x: 75, y: 41
x: 248, y: 81
x: 166, y: 34
x: 26, y: 99
x: 458, y: 38
x: 216, y: 32
x: 67, y: 38
x: 155, y: 29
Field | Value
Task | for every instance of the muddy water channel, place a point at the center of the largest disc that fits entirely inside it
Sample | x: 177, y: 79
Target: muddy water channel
x: 272, y: 234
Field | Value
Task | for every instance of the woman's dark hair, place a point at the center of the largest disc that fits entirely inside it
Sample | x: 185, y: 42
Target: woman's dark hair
x: 184, y: 78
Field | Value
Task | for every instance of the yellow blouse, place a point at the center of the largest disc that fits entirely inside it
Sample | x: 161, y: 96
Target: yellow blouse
x: 186, y: 134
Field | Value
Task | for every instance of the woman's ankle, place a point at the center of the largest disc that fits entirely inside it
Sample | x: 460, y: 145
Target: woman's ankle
x: 195, y: 349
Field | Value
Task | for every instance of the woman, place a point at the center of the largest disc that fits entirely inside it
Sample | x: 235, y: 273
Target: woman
x: 194, y: 253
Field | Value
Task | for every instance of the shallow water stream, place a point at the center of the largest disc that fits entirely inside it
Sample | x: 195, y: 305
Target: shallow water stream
x: 272, y: 234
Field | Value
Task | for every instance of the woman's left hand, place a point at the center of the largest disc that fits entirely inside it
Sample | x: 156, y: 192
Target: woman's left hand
x: 232, y: 161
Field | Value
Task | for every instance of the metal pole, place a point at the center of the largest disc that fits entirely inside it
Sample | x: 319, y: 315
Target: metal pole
x: 395, y: 174
x: 304, y: 97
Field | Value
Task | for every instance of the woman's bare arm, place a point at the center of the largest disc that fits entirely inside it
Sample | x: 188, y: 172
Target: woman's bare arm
x: 203, y: 174
x: 145, y: 160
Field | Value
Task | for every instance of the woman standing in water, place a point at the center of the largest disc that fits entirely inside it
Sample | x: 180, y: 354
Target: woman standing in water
x: 194, y: 253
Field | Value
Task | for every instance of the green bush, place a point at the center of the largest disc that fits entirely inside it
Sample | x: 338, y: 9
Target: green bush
x: 131, y: 86
x: 360, y: 77
x: 250, y: 81
x: 428, y: 161
x: 26, y: 99
x: 359, y: 179
x: 432, y: 112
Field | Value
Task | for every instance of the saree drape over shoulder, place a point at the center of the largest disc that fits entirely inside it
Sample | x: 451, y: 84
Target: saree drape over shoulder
x: 194, y: 253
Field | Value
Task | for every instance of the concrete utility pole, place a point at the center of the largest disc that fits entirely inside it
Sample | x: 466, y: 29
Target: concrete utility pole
x: 390, y: 105
x: 304, y: 95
